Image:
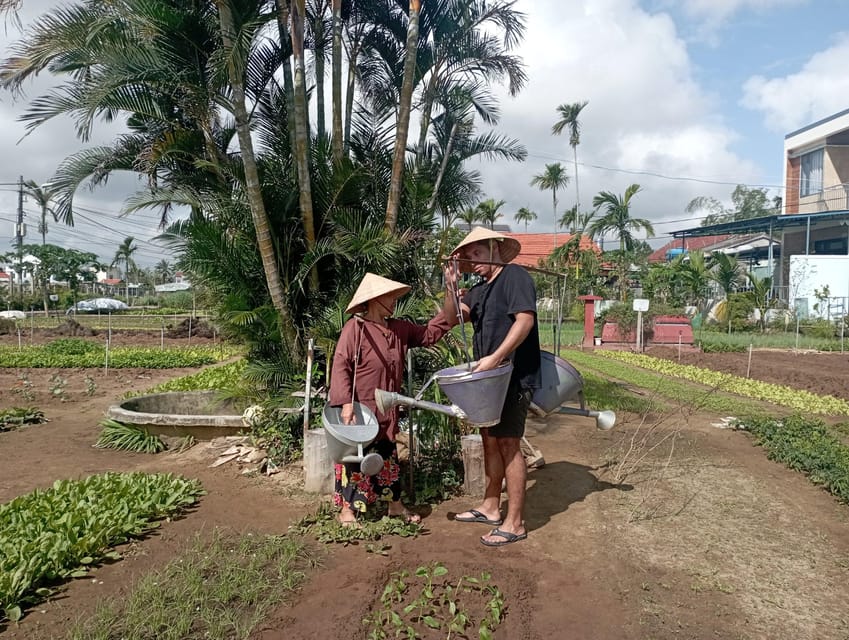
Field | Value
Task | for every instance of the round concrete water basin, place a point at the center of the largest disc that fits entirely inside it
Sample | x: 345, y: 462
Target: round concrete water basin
x: 201, y: 414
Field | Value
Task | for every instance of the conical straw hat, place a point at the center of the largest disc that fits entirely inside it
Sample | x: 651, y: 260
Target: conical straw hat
x: 373, y: 286
x: 508, y: 247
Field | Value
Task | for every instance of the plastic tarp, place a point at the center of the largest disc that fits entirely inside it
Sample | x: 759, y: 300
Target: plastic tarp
x: 98, y: 304
x: 13, y: 314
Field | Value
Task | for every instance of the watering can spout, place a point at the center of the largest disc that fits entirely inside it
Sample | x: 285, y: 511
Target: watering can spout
x: 385, y: 400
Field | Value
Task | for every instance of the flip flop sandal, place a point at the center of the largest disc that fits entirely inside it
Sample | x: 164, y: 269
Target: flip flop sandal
x: 477, y: 516
x: 509, y: 538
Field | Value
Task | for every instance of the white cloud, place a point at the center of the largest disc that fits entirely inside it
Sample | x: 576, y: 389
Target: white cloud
x: 819, y: 89
x: 646, y: 113
x: 718, y: 10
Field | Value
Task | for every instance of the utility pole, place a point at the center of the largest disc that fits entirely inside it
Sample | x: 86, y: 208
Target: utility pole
x: 20, y: 231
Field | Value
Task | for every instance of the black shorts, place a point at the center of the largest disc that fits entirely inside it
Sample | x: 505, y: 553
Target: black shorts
x: 513, y: 414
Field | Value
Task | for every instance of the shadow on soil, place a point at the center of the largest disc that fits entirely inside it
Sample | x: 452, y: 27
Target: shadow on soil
x: 558, y: 485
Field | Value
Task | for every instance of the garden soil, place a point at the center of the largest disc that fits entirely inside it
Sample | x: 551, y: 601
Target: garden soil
x: 664, y: 527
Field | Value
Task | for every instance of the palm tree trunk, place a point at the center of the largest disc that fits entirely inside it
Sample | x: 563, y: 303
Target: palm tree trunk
x: 349, y: 96
x: 554, y: 208
x: 288, y: 85
x: 427, y: 108
x: 254, y: 193
x: 443, y: 165
x: 302, y: 132
x: 319, y: 74
x: 336, y: 79
x: 577, y: 191
x: 404, y: 107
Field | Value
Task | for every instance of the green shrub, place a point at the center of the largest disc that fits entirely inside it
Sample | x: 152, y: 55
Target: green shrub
x: 126, y: 437
x: 72, y: 347
x: 806, y: 445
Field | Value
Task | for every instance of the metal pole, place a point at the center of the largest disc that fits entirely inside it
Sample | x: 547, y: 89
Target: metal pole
x: 308, y: 389
x: 411, y: 445
x: 19, y: 236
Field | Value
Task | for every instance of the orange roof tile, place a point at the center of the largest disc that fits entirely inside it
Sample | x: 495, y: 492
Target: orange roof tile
x: 538, y: 246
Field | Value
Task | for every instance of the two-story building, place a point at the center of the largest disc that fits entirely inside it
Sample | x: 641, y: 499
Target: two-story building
x: 811, y: 273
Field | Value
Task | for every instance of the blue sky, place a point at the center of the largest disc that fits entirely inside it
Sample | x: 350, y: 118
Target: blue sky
x: 686, y: 98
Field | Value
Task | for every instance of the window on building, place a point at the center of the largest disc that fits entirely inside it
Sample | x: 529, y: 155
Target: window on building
x: 811, y: 179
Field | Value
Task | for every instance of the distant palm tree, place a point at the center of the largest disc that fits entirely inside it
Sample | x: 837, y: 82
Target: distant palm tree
x: 43, y: 197
x: 569, y: 119
x: 470, y: 216
x: 617, y: 219
x: 727, y: 273
x: 124, y: 255
x: 553, y: 178
x: 163, y: 271
x: 525, y: 215
x: 488, y: 211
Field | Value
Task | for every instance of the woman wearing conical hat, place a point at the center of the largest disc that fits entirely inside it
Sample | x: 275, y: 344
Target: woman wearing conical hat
x: 370, y: 355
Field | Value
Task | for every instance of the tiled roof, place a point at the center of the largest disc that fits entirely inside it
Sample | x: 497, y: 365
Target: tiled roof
x: 111, y: 281
x: 538, y: 246
x: 5, y: 276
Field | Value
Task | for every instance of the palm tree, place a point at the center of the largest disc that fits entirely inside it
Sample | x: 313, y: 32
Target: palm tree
x: 617, y: 219
x: 163, y: 271
x: 553, y: 178
x: 727, y: 273
x: 124, y: 256
x: 403, y: 120
x: 43, y: 196
x: 760, y: 296
x: 525, y: 215
x: 470, y: 216
x: 569, y: 119
x: 488, y: 211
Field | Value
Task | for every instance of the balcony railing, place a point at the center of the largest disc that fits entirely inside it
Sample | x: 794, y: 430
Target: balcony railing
x: 834, y: 198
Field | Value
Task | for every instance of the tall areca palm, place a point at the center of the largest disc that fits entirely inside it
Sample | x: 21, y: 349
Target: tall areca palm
x: 553, y: 178
x: 124, y: 256
x: 403, y: 120
x: 43, y: 197
x: 525, y: 215
x: 616, y: 218
x: 569, y: 120
x: 236, y: 64
x: 467, y: 43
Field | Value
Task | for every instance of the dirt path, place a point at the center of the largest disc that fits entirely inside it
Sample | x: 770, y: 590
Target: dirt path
x: 708, y: 539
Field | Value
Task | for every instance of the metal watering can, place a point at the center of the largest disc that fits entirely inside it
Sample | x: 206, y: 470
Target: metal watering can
x: 561, y: 383
x: 477, y: 397
x: 345, y: 442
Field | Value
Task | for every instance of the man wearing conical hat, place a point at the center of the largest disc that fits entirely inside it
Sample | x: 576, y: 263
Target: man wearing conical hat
x: 502, y: 310
x: 370, y: 355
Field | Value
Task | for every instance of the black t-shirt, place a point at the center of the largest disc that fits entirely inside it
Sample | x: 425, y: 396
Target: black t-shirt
x: 492, y: 311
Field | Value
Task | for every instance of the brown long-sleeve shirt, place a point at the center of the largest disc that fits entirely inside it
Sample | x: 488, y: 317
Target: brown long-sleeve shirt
x: 380, y: 365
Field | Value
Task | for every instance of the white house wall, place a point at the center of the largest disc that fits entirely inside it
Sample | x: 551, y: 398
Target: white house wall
x: 811, y: 273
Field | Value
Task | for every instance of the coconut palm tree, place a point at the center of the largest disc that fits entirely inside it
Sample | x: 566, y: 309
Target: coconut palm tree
x: 616, y: 218
x: 569, y: 120
x: 553, y: 178
x: 163, y: 271
x: 488, y: 211
x: 525, y: 215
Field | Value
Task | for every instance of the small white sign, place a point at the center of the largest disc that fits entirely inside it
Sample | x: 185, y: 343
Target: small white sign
x: 54, y: 297
x: 641, y: 304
